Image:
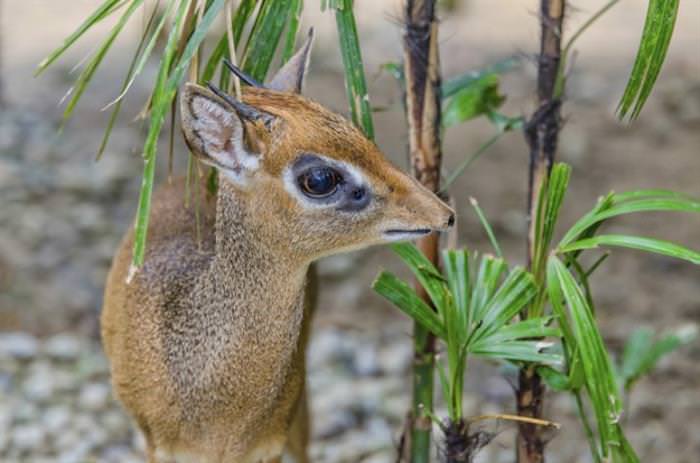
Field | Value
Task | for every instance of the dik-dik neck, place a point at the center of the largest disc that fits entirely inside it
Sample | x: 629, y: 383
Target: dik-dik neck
x: 249, y: 269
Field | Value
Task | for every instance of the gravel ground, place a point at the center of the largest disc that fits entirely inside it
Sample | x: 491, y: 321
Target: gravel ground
x: 57, y: 404
x: 62, y: 215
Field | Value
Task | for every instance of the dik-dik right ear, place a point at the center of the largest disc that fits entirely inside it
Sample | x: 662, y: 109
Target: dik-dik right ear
x: 291, y: 76
x: 217, y: 130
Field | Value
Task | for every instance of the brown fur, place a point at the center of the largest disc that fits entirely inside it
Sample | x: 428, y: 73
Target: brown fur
x: 207, y: 341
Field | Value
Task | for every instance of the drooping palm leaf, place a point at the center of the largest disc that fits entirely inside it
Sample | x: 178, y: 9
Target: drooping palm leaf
x: 355, y: 82
x: 656, y: 37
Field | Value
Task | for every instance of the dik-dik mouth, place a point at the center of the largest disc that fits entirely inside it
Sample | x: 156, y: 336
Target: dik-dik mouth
x: 397, y: 232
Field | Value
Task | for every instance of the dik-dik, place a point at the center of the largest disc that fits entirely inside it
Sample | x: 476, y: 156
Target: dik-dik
x: 207, y: 340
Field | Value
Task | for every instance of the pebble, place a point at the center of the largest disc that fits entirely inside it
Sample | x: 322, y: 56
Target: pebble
x: 39, y: 386
x: 56, y: 418
x: 21, y: 346
x: 94, y: 396
x: 27, y: 437
x: 366, y: 362
x: 396, y: 358
x: 63, y: 347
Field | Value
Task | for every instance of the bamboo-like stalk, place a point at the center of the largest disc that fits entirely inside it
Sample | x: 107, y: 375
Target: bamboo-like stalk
x: 422, y: 71
x: 541, y: 133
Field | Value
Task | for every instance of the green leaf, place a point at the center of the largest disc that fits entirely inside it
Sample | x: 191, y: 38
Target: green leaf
x: 539, y: 327
x: 587, y: 344
x: 522, y: 351
x: 512, y: 296
x: 292, y: 28
x: 554, y: 379
x: 103, y: 11
x: 506, y: 123
x: 425, y: 272
x: 265, y: 36
x: 487, y: 280
x: 642, y: 353
x: 85, y: 77
x: 487, y: 227
x: 243, y: 12
x: 143, y: 50
x: 396, y: 71
x: 656, y: 37
x: 480, y: 97
x: 666, y: 248
x: 355, y: 82
x: 549, y: 202
x: 456, y: 265
x: 458, y: 83
x: 160, y: 104
x: 632, y: 202
x: 405, y: 298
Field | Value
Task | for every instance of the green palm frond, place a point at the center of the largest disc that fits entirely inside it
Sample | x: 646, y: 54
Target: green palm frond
x: 656, y: 37
x: 474, y: 312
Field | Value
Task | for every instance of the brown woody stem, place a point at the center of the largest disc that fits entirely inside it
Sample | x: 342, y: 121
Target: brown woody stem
x: 422, y: 71
x: 541, y: 133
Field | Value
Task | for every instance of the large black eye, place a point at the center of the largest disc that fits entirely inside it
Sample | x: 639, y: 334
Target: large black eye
x: 319, y: 182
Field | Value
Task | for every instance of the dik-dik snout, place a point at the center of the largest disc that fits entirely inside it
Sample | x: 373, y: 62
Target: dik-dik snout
x: 316, y: 184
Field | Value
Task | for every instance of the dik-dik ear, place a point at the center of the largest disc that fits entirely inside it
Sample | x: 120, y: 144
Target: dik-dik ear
x: 217, y: 130
x: 290, y: 77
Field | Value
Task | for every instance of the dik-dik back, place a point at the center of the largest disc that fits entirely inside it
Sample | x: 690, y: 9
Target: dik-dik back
x: 207, y: 340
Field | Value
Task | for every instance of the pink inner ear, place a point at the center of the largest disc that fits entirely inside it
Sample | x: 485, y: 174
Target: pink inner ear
x: 215, y: 128
x: 220, y: 133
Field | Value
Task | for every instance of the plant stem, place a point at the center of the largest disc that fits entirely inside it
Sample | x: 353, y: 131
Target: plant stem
x: 422, y: 71
x: 587, y: 427
x: 457, y: 448
x: 541, y: 133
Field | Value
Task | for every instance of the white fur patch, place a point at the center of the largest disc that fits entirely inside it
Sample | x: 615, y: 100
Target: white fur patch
x: 221, y: 134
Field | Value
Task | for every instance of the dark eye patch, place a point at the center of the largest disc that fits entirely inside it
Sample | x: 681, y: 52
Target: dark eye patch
x: 327, y: 182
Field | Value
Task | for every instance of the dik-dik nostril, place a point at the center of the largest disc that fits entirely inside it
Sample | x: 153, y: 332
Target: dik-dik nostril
x: 451, y: 220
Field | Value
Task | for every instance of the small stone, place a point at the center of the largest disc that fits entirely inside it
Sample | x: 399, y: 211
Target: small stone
x: 118, y: 454
x: 333, y: 423
x: 39, y: 385
x: 94, y: 396
x: 67, y: 440
x: 96, y: 437
x: 63, y: 347
x: 385, y: 456
x: 337, y: 266
x: 77, y: 453
x: 28, y: 437
x: 139, y: 441
x: 328, y: 346
x: 365, y: 362
x: 115, y: 422
x: 18, y: 345
x: 396, y: 358
x: 25, y: 411
x: 56, y: 418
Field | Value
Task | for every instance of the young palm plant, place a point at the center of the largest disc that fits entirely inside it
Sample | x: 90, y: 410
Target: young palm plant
x: 476, y: 310
x: 565, y: 290
x: 476, y: 299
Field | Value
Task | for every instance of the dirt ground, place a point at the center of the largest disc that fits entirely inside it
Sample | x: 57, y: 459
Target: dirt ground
x: 62, y: 215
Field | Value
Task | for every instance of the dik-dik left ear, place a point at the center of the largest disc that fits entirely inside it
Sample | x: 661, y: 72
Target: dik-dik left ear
x: 218, y: 129
x: 290, y: 77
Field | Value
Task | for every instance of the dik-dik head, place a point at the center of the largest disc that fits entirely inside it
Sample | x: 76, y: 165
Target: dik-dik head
x: 313, y: 182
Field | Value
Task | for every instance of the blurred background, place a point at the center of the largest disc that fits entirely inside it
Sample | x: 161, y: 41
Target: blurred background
x: 62, y: 215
